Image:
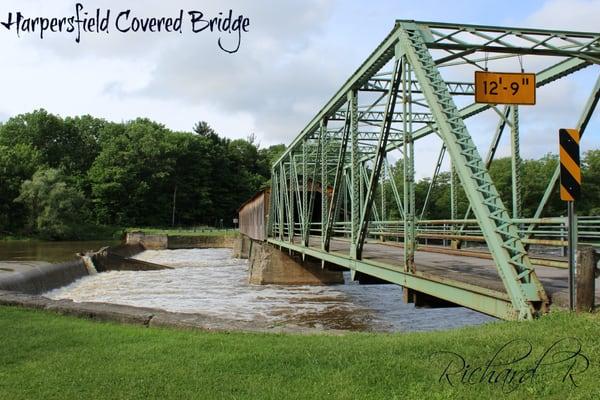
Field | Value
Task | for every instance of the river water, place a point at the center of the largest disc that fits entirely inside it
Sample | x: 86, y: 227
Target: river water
x: 54, y: 252
x: 209, y: 281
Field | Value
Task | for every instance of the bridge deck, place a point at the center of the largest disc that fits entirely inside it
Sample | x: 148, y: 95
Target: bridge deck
x: 466, y: 269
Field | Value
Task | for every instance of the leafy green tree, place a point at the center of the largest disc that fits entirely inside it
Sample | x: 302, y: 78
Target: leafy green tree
x: 17, y: 164
x: 56, y: 210
x: 131, y: 177
x: 192, y: 179
x: 590, y: 186
x: 62, y: 145
x: 535, y: 179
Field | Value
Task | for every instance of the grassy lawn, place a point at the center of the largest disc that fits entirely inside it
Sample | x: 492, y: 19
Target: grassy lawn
x: 43, y: 355
x: 186, y: 232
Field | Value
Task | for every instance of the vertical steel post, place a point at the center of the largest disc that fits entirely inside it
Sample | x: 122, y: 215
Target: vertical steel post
x: 409, y: 170
x: 395, y: 190
x: 383, y: 200
x: 287, y: 199
x: 334, y: 204
x: 361, y: 167
x: 311, y: 202
x: 291, y: 194
x: 453, y: 204
x: 304, y: 188
x: 324, y: 181
x: 281, y: 202
x: 354, y: 173
x: 572, y: 253
x: 345, y: 215
x: 515, y: 163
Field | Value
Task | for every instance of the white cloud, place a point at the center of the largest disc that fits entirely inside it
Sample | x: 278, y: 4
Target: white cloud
x: 175, y: 79
x: 574, y: 15
x: 294, y: 58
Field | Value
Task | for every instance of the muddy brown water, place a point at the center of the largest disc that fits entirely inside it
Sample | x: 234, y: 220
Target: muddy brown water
x: 52, y: 252
x: 210, y: 281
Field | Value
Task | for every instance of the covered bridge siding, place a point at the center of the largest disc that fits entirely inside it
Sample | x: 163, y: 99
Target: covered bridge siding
x: 254, y: 212
x: 253, y: 215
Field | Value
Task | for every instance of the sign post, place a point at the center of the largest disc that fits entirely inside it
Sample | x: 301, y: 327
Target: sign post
x: 570, y: 188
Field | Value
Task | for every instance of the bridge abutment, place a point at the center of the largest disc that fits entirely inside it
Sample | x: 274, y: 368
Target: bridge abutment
x: 269, y: 265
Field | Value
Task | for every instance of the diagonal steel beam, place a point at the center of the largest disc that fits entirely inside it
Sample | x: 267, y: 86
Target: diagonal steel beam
x: 311, y: 203
x: 381, y: 153
x: 436, y: 172
x: 329, y: 222
x: 514, y: 267
x: 549, y: 75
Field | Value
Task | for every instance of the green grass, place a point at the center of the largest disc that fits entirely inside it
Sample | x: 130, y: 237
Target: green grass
x: 186, y: 232
x: 47, y: 356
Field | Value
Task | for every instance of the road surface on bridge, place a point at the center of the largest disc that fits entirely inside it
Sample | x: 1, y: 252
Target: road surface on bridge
x: 439, y: 267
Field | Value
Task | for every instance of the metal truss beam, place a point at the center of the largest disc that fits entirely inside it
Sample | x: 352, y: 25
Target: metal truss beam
x: 512, y: 262
x: 471, y: 38
x: 584, y: 46
x: 378, y: 116
x: 350, y: 156
x: 436, y: 172
x: 382, y: 85
x: 480, y: 299
x: 551, y: 74
x: 380, y: 156
x: 337, y: 186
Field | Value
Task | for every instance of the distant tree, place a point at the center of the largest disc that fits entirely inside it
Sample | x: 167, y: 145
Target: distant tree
x: 268, y: 156
x: 535, y: 179
x: 192, y: 179
x: 56, y: 210
x: 590, y: 186
x: 17, y: 164
x: 202, y: 128
x: 131, y: 177
x: 141, y: 173
x: 62, y: 145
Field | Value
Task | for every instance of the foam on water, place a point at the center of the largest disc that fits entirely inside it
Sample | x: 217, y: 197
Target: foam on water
x: 209, y: 281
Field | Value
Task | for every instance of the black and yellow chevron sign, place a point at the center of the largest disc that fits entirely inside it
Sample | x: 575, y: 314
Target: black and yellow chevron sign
x: 570, y: 170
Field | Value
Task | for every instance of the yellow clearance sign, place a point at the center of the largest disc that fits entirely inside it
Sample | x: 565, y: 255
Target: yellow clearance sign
x: 504, y: 88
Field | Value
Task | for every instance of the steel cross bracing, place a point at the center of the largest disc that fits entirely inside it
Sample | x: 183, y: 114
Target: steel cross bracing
x: 325, y: 185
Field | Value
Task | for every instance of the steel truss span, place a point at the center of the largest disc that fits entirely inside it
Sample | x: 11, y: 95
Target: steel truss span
x: 329, y: 188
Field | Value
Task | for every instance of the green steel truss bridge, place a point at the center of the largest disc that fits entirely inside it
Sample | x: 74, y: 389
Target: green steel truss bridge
x: 326, y: 188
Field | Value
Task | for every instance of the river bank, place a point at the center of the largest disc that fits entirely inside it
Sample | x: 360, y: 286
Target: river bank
x: 45, y: 355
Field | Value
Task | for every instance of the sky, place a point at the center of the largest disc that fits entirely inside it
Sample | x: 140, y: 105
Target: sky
x: 293, y: 58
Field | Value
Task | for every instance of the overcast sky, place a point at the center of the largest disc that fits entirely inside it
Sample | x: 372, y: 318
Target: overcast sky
x: 294, y: 57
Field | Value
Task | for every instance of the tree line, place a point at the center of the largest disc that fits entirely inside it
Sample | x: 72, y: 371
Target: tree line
x: 62, y: 178
x: 535, y: 175
x: 66, y: 178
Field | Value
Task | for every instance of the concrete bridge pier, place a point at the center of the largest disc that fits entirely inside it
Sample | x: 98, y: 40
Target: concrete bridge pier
x: 423, y: 300
x: 269, y: 265
x: 242, y: 247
